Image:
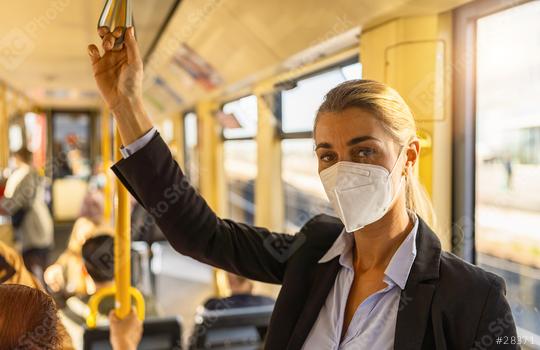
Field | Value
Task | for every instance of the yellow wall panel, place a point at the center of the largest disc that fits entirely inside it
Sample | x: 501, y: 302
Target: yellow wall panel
x: 412, y: 55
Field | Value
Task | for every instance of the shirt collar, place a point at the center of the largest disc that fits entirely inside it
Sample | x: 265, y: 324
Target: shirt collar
x: 399, y: 267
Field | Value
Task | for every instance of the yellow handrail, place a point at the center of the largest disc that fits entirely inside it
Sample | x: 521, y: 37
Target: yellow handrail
x: 106, y: 164
x: 122, y: 244
x: 96, y: 299
x: 122, y: 290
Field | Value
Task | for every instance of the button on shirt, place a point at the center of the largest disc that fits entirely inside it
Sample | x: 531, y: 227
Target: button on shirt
x: 374, y: 322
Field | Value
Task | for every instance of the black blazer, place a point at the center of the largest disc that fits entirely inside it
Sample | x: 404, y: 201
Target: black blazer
x: 447, y: 303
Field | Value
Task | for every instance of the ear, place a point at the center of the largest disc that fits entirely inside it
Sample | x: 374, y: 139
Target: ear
x: 412, y: 152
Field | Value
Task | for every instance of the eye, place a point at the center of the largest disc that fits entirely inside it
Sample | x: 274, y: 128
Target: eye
x: 364, y: 152
x: 327, y: 157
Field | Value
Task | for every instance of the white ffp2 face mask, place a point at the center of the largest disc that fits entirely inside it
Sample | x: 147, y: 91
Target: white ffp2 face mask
x: 360, y: 193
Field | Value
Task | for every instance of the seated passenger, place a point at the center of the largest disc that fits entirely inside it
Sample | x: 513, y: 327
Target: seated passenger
x: 98, y: 260
x: 12, y: 269
x: 241, y: 295
x: 67, y: 277
x: 29, y: 321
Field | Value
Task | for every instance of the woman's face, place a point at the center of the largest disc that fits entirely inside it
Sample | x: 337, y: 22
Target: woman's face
x: 355, y: 135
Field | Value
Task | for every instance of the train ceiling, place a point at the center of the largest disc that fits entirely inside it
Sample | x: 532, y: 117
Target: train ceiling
x: 208, y: 45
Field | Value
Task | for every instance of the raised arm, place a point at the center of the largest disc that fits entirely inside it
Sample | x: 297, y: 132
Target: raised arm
x: 156, y: 181
x: 119, y: 75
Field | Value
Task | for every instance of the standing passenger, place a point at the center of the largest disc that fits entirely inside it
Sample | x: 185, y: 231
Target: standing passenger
x: 374, y: 278
x: 24, y: 200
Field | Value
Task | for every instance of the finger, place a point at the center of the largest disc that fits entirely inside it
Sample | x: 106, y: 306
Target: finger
x: 133, y: 53
x: 108, y: 42
x: 102, y: 31
x: 112, y: 316
x: 94, y: 54
x: 118, y: 32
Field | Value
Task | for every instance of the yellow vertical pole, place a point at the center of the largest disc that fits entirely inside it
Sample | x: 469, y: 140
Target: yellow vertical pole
x: 178, y: 135
x: 209, y: 158
x: 122, y: 244
x: 106, y: 163
x: 269, y: 194
x: 269, y: 199
x: 212, y: 178
x: 4, y: 124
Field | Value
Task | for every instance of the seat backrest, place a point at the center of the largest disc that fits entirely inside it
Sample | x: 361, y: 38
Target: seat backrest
x: 236, y: 328
x: 158, y: 334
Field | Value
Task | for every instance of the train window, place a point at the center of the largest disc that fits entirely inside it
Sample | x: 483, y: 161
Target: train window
x: 304, y: 193
x: 239, y: 118
x: 191, y: 151
x: 507, y: 157
x: 240, y: 172
x: 300, y: 104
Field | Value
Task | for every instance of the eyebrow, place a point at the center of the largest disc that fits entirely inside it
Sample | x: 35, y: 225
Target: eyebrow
x: 351, y: 142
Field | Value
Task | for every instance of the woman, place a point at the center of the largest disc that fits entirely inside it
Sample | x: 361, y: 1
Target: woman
x: 374, y: 278
x: 25, y: 201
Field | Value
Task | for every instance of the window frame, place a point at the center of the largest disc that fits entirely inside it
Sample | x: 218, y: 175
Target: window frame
x: 278, y: 98
x: 464, y: 122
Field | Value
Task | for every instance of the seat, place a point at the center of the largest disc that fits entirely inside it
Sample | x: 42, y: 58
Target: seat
x: 158, y: 334
x: 231, y: 329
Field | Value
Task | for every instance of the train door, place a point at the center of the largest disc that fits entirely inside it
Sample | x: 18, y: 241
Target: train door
x: 498, y: 121
x: 73, y: 154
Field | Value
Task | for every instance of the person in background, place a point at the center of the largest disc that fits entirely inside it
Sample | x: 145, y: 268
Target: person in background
x: 94, y: 199
x: 31, y: 219
x: 36, y: 325
x: 12, y: 271
x: 241, y: 295
x: 67, y: 276
x: 98, y: 260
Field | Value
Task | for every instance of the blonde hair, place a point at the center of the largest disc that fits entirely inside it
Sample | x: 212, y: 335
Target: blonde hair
x: 395, y: 117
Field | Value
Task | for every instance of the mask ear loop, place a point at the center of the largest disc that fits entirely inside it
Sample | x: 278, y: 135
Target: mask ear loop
x: 395, y: 163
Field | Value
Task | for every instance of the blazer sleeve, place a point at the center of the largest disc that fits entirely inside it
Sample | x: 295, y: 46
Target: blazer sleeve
x: 497, y: 329
x: 153, y: 177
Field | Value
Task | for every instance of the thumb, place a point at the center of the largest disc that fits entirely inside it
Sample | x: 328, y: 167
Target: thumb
x: 134, y: 56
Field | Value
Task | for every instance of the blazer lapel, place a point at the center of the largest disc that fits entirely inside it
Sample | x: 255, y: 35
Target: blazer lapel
x: 325, y: 276
x: 415, y: 302
x: 413, y: 315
